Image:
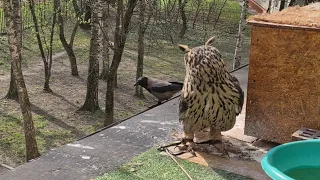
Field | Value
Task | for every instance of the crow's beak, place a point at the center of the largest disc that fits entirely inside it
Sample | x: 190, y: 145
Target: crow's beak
x: 135, y: 84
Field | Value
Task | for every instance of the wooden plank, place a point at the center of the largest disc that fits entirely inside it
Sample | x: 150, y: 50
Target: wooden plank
x: 283, y: 26
x: 283, y: 84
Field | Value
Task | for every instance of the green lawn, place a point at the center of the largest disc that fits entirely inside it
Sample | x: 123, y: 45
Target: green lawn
x: 153, y: 165
x: 12, y: 138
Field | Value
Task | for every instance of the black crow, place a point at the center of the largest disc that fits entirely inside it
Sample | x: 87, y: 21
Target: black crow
x: 162, y: 90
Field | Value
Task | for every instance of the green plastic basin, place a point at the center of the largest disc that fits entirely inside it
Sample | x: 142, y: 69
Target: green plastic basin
x: 305, y: 153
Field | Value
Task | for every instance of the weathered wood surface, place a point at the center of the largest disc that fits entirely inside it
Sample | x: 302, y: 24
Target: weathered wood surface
x: 283, y: 84
x: 308, y: 16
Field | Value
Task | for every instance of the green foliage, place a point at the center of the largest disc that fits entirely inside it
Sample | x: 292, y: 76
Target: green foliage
x: 152, y: 165
x: 92, y: 128
x: 43, y: 10
x: 121, y: 114
x: 1, y: 62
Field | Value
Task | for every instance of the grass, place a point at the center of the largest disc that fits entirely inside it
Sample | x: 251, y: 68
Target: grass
x: 153, y: 165
x: 12, y: 136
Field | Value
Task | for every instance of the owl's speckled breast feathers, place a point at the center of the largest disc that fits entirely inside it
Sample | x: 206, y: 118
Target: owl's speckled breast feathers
x: 211, y: 96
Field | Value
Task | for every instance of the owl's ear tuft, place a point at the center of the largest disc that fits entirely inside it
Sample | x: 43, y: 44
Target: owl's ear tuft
x: 210, y: 41
x: 184, y: 48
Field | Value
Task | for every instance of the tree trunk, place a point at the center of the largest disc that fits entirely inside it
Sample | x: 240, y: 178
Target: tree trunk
x: 115, y: 81
x: 105, y: 42
x: 241, y: 30
x: 269, y: 6
x: 282, y: 3
x: 66, y: 46
x: 182, y: 4
x: 109, y: 111
x: 15, y: 51
x: 91, y: 103
x: 47, y: 64
x: 197, y: 14
x: 13, y: 91
x: 46, y: 87
x: 292, y: 3
x: 139, y: 72
x: 219, y: 14
x: 211, y: 8
x: 120, y: 36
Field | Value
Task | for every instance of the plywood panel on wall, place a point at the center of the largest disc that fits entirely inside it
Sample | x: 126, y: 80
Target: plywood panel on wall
x: 284, y: 82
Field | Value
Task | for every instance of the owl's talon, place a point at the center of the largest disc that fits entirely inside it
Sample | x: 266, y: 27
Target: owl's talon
x: 191, y: 151
x: 187, y: 147
x: 183, y: 148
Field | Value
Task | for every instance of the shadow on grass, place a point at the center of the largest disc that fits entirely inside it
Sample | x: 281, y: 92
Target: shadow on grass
x: 64, y: 99
x: 56, y: 121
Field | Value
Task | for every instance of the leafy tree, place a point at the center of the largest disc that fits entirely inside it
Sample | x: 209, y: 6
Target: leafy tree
x: 14, y: 34
x: 41, y: 38
x: 105, y: 41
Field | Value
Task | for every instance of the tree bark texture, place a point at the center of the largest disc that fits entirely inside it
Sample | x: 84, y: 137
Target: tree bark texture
x: 67, y: 46
x: 241, y: 30
x: 105, y: 42
x: 15, y: 51
x: 120, y: 36
x: 139, y: 72
x: 182, y: 4
x: 13, y: 91
x: 91, y: 103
